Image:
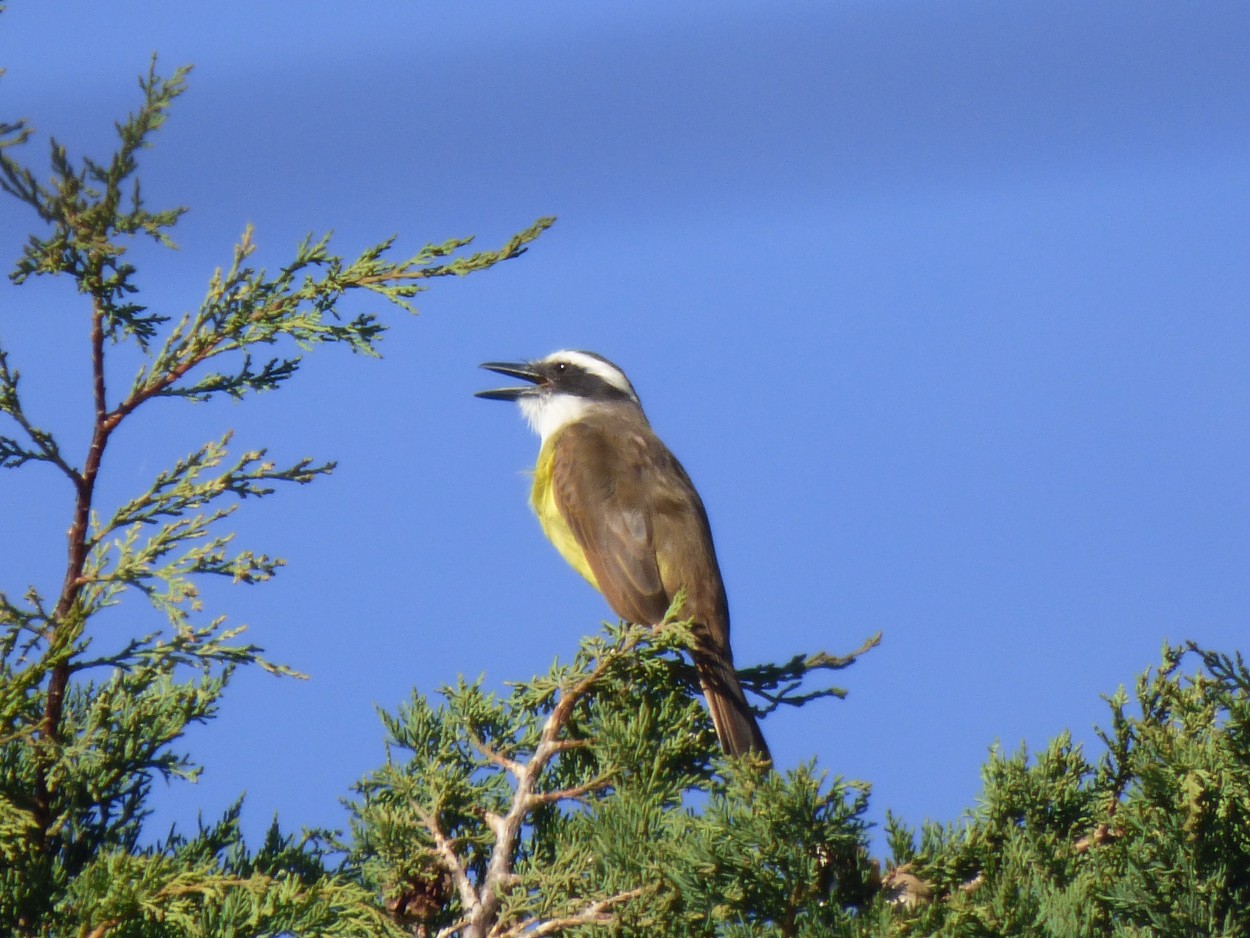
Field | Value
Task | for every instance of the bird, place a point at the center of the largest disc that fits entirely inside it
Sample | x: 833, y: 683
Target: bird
x: 622, y: 511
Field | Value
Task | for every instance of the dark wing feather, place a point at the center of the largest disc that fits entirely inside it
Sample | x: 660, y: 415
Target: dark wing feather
x: 597, y: 493
x: 629, y: 502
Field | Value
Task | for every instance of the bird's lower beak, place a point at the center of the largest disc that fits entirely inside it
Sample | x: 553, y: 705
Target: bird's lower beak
x: 520, y: 370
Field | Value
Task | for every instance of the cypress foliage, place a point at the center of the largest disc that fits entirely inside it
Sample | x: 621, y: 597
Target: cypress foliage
x: 1152, y: 837
x: 85, y: 728
x: 588, y: 800
x: 596, y: 795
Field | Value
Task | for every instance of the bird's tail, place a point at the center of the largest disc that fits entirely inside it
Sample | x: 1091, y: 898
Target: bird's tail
x: 736, y: 726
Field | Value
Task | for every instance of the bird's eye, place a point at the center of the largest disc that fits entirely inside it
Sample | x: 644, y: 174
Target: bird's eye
x: 561, y: 367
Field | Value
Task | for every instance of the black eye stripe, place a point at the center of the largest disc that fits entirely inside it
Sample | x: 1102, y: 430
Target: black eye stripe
x: 577, y: 380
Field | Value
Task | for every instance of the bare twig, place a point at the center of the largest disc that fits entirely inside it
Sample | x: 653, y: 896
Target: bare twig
x: 451, y: 863
x: 494, y: 756
x: 569, y: 794
x: 485, y: 902
x: 778, y: 683
x: 594, y: 914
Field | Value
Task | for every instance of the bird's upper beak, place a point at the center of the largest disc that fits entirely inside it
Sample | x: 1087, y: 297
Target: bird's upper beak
x: 522, y: 370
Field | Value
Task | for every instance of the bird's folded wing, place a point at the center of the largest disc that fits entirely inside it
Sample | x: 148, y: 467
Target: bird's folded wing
x: 596, y: 482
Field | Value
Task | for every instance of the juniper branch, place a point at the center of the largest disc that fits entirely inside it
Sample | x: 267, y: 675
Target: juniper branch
x: 483, y: 914
x: 12, y: 453
x: 596, y: 913
x: 450, y: 860
x: 162, y: 540
x: 778, y: 683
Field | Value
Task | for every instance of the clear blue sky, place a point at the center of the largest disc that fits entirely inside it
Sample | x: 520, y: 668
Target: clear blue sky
x: 944, y: 306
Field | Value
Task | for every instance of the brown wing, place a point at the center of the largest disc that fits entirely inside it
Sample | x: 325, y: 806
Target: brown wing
x: 644, y: 531
x: 597, y: 483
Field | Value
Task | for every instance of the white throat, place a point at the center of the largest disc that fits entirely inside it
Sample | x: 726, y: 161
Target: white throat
x: 547, y: 413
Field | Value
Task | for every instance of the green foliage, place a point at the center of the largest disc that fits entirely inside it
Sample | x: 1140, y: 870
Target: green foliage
x: 591, y: 799
x: 210, y: 886
x: 595, y: 794
x: 1151, y: 839
x: 85, y: 730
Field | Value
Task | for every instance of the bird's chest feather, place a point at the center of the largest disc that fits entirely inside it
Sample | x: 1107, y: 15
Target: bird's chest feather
x: 543, y: 501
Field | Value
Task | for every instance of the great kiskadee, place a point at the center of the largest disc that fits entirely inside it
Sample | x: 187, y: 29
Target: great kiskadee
x: 619, y: 507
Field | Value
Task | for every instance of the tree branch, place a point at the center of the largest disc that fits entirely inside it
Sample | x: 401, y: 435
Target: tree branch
x: 494, y: 756
x: 451, y: 863
x: 568, y: 794
x: 11, y: 455
x: 777, y: 683
x: 507, y: 828
x: 594, y: 914
x: 61, y: 629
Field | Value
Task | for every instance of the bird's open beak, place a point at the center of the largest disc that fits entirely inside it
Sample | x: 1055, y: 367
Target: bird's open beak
x: 521, y: 370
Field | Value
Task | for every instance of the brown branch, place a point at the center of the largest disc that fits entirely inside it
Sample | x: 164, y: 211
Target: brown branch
x: 452, y: 929
x: 71, y: 588
x: 494, y: 756
x: 594, y: 914
x: 451, y: 863
x: 568, y: 794
x: 105, y: 423
x: 483, y: 920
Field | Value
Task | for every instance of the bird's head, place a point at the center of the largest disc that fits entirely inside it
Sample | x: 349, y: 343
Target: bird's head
x: 563, y: 387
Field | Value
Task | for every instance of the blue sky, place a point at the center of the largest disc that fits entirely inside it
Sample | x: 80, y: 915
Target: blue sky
x: 944, y: 307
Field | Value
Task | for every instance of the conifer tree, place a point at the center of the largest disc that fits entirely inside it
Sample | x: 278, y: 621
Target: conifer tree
x: 589, y: 800
x: 1149, y: 838
x: 85, y: 728
x: 512, y: 816
x: 596, y: 796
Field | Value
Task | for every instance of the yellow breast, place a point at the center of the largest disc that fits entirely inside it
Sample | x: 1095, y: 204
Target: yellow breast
x: 543, y: 501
